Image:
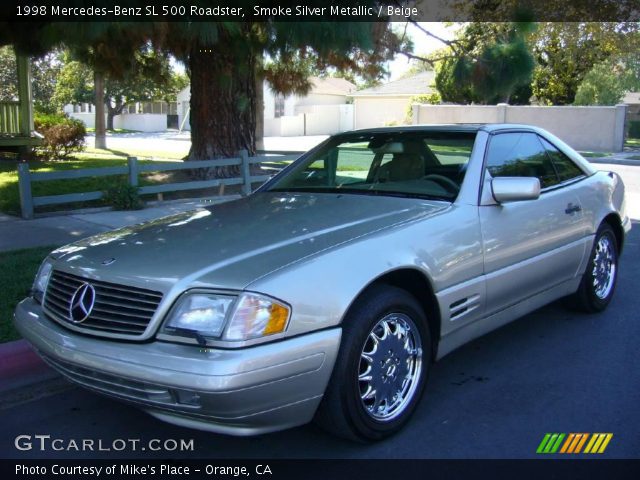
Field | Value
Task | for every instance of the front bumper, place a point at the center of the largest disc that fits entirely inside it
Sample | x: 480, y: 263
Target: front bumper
x: 244, y: 391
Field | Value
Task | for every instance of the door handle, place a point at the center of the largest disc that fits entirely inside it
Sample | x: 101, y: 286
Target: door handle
x: 571, y: 208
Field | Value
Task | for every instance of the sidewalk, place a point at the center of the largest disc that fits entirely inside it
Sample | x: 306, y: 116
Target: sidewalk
x: 60, y: 229
x: 620, y: 158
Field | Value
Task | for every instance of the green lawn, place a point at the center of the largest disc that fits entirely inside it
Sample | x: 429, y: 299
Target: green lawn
x: 17, y: 270
x: 595, y: 154
x: 632, y: 142
x: 9, y: 195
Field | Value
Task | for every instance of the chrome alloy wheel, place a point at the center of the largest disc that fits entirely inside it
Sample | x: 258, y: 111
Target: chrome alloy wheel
x: 390, y: 367
x: 604, y: 267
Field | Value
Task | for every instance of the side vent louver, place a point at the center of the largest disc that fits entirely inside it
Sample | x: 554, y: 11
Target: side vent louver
x: 463, y: 306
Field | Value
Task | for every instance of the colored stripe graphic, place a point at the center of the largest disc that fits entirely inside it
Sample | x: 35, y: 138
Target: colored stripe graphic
x: 543, y: 443
x: 598, y: 442
x: 574, y: 442
x: 581, y: 442
x: 550, y: 443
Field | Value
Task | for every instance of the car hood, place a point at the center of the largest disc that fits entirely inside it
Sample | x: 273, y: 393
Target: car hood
x: 230, y: 245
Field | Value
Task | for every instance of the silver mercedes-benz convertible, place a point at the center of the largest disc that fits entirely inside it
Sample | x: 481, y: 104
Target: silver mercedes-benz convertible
x: 330, y: 291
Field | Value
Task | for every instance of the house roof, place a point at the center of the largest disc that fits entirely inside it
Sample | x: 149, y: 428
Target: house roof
x: 416, y: 85
x: 331, y: 86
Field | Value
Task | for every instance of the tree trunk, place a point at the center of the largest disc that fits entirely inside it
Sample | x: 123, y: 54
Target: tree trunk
x: 113, y: 111
x: 223, y: 101
x: 101, y: 136
x: 110, y: 115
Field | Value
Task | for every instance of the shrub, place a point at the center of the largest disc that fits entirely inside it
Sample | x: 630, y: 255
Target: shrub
x: 62, y: 136
x: 634, y: 129
x: 122, y: 196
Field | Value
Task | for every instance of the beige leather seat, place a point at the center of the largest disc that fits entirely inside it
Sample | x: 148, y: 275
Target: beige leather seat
x: 403, y: 166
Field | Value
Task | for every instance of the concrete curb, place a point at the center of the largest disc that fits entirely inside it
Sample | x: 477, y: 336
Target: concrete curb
x: 18, y: 357
x: 24, y: 376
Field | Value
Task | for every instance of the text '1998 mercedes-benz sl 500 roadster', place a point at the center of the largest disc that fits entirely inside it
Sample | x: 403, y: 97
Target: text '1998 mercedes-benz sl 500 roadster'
x: 329, y: 292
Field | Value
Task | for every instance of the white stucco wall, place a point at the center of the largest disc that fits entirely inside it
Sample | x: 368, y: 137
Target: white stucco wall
x: 89, y: 119
x: 183, y: 98
x: 324, y: 99
x: 373, y: 112
x: 147, y: 122
x: 311, y: 120
x: 598, y: 129
x: 144, y: 122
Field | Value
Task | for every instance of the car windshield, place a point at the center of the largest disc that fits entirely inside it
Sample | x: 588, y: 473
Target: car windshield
x: 420, y: 164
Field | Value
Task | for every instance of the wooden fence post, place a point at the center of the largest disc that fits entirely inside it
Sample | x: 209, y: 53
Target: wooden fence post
x: 246, y: 172
x: 132, y: 163
x: 24, y: 185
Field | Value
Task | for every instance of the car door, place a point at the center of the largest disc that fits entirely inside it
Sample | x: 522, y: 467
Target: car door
x: 529, y: 246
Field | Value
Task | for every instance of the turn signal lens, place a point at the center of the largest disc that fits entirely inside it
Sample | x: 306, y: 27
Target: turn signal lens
x: 256, y: 316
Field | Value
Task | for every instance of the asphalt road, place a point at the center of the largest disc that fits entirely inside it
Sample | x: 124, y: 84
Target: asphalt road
x: 551, y: 371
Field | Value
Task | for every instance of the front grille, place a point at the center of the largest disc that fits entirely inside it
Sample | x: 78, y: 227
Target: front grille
x: 111, y: 384
x: 117, y: 308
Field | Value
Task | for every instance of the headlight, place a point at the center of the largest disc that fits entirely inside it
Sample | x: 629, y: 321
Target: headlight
x: 202, y: 313
x: 41, y: 281
x: 232, y: 319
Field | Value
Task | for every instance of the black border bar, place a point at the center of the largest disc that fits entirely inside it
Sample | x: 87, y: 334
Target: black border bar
x: 318, y: 10
x: 324, y: 469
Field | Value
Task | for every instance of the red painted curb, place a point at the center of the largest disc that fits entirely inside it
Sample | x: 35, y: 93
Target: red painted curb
x: 18, y: 359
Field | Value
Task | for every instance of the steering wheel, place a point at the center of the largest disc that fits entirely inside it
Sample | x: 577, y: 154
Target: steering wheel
x: 445, y: 182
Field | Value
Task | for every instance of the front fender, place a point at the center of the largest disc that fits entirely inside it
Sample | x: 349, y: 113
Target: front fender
x: 445, y: 248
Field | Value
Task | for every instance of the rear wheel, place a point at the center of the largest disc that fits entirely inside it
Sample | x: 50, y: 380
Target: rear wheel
x: 381, y: 369
x: 599, y: 280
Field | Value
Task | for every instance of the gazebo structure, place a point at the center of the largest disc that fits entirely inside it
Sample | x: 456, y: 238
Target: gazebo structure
x: 16, y: 117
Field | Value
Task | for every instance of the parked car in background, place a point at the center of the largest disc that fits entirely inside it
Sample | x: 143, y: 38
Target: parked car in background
x: 330, y: 291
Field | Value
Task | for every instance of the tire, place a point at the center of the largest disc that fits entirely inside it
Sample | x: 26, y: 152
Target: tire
x: 359, y: 403
x: 599, y: 280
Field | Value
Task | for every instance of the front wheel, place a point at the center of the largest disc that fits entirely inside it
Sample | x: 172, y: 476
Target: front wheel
x: 599, y: 280
x: 381, y: 369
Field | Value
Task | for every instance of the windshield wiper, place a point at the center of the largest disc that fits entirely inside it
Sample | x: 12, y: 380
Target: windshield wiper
x: 363, y: 191
x: 423, y: 196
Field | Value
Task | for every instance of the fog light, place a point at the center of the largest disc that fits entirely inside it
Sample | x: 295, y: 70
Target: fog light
x: 185, y: 397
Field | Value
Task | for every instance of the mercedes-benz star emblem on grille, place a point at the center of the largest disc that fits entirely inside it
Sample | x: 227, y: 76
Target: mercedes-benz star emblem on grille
x: 82, y: 303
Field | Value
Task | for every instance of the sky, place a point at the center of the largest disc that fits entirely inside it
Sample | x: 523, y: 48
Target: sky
x: 423, y: 44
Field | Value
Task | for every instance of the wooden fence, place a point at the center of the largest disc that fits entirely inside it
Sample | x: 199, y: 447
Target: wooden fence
x: 133, y: 169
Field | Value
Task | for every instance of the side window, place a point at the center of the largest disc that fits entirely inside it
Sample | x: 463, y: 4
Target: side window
x: 520, y: 155
x: 566, y: 169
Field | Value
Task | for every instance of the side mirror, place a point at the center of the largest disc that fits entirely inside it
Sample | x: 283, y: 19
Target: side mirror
x: 515, y: 189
